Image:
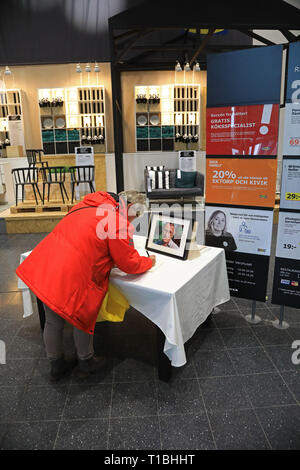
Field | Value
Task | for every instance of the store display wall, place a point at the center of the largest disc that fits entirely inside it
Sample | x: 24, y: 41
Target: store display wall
x: 130, y: 80
x: 31, y: 78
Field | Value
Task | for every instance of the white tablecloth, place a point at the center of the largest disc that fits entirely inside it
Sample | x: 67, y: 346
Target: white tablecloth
x: 177, y: 296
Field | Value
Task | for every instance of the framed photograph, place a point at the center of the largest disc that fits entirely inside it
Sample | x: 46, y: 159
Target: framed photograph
x: 170, y: 235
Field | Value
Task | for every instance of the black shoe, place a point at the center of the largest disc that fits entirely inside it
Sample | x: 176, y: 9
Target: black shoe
x: 90, y: 366
x: 61, y: 367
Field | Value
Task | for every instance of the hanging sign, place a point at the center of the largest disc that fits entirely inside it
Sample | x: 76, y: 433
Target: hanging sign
x: 241, y: 181
x: 291, y: 141
x: 293, y: 76
x: 286, y: 283
x: 242, y: 130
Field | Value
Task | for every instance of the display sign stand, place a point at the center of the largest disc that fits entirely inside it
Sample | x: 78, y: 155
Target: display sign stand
x: 83, y: 156
x: 253, y: 318
x: 287, y: 256
x: 280, y: 324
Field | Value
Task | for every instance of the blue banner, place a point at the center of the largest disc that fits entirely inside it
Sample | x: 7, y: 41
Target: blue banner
x: 250, y: 76
x: 293, y: 77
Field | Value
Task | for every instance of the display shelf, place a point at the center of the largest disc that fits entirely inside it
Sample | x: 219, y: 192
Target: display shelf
x: 78, y: 120
x: 167, y: 117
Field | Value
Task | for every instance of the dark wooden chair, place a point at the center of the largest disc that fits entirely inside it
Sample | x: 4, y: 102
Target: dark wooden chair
x: 82, y: 174
x: 26, y: 176
x: 54, y: 175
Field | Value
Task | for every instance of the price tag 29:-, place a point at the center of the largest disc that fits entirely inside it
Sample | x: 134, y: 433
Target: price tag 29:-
x: 292, y: 196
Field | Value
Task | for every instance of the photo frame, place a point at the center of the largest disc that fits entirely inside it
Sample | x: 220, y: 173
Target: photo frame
x: 170, y: 235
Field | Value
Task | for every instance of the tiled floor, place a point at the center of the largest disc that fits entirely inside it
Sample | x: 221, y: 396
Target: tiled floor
x: 238, y: 390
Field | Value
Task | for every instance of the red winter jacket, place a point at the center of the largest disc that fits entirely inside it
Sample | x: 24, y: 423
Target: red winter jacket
x: 69, y: 269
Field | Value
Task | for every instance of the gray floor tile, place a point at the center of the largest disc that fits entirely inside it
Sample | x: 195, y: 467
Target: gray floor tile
x: 264, y: 313
x: 182, y: 396
x: 9, y: 283
x: 269, y: 335
x: 27, y: 347
x: 134, y: 433
x: 134, y: 399
x: 10, y: 298
x: 206, y: 340
x: 187, y: 371
x: 16, y: 371
x: 82, y: 435
x: 294, y: 331
x: 186, y: 432
x: 247, y: 303
x: 41, y: 374
x: 223, y: 393
x: 3, y: 430
x: 237, y: 430
x: 209, y: 322
x: 292, y: 379
x: 86, y: 402
x: 282, y: 426
x: 9, y: 329
x: 230, y: 305
x: 239, y: 337
x: 42, y: 403
x: 30, y: 436
x: 290, y: 315
x: 132, y: 370
x: 230, y: 319
x: 281, y: 356
x: 267, y: 390
x: 213, y: 363
x: 10, y: 398
x: 104, y: 375
x: 250, y: 360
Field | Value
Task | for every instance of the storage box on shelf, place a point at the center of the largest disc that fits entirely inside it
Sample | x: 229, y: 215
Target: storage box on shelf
x: 167, y: 117
x: 71, y: 117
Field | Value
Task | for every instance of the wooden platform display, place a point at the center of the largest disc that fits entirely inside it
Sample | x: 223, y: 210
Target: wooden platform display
x: 28, y: 217
x: 32, y: 222
x: 29, y: 207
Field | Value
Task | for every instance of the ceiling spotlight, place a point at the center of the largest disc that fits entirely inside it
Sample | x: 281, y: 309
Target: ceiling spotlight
x: 97, y: 68
x: 187, y: 67
x: 88, y: 68
x: 7, y: 71
x: 178, y: 67
x: 196, y: 67
x: 78, y: 68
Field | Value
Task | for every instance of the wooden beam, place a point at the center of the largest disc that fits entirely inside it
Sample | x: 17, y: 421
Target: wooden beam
x: 130, y: 44
x: 287, y: 34
x: 117, y: 113
x: 124, y: 35
x: 203, y: 44
x: 150, y: 52
x: 253, y: 35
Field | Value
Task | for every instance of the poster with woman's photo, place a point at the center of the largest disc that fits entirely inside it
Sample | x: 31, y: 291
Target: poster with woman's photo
x: 245, y: 234
x: 239, y: 229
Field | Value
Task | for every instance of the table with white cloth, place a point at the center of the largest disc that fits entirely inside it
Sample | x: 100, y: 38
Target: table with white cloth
x: 176, y: 295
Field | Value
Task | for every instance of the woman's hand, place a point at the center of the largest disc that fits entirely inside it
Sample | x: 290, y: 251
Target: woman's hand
x: 153, y: 258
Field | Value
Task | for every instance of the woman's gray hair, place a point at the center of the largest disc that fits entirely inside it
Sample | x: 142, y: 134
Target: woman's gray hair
x: 138, y: 201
